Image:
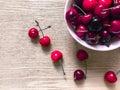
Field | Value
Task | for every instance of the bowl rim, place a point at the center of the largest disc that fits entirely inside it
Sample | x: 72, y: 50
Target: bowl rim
x: 83, y: 43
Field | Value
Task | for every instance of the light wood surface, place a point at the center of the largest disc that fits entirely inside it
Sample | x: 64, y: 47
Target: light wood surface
x: 25, y: 65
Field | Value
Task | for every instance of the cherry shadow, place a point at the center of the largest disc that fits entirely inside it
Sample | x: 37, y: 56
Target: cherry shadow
x: 35, y: 41
x: 110, y: 85
x: 79, y: 82
x: 46, y: 49
x: 58, y: 67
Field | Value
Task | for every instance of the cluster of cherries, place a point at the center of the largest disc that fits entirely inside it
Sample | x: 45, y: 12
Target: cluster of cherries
x: 95, y: 21
x: 57, y: 55
x: 45, y: 41
x: 82, y: 55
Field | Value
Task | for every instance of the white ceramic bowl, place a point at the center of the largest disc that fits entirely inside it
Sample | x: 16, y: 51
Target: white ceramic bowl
x: 113, y: 45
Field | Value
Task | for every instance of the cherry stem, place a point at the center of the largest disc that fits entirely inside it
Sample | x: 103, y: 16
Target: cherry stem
x: 117, y: 72
x: 85, y: 62
x: 62, y: 67
x: 79, y: 8
x: 46, y: 28
x: 107, y: 25
x: 110, y: 8
x: 39, y: 27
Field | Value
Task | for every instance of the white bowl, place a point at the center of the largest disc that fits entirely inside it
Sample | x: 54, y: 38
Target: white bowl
x: 113, y: 45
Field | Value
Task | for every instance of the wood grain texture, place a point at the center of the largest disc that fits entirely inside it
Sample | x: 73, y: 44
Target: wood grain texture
x: 25, y: 65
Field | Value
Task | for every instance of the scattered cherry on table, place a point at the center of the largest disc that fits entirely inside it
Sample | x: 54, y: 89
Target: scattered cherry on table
x: 56, y: 56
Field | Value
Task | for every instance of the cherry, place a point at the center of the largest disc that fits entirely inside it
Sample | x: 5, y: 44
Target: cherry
x: 115, y: 27
x: 33, y: 33
x: 79, y: 74
x: 45, y: 41
x: 100, y: 12
x: 118, y: 35
x: 72, y: 16
x: 104, y: 34
x: 95, y: 24
x: 56, y: 56
x: 86, y: 17
x: 110, y: 77
x: 106, y: 3
x: 89, y: 5
x: 82, y: 55
x: 81, y: 31
x: 92, y: 38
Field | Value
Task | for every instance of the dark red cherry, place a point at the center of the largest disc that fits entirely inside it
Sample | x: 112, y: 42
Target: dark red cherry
x: 89, y: 5
x: 82, y: 55
x: 79, y: 75
x: 99, y: 11
x: 105, y: 34
x: 72, y: 16
x: 81, y: 31
x: 115, y: 27
x: 86, y: 18
x: 115, y: 10
x: 95, y: 24
x: 110, y: 77
x: 118, y: 35
x: 106, y: 3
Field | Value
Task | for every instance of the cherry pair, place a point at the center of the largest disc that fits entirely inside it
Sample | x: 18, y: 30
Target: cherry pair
x: 82, y: 55
x: 34, y: 33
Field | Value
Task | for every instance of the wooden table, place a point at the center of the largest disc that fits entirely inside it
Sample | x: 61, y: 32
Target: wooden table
x: 25, y: 65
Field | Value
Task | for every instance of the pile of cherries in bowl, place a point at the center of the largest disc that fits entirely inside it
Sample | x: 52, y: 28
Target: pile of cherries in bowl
x: 97, y: 22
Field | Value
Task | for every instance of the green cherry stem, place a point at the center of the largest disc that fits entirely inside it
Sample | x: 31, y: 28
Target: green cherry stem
x: 37, y: 24
x: 62, y: 67
x: 79, y: 8
x: 85, y: 63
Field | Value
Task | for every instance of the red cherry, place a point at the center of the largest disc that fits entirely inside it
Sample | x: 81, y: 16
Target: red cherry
x: 86, y: 18
x: 45, y: 41
x: 115, y: 27
x: 81, y: 31
x: 89, y: 5
x: 79, y: 74
x: 56, y: 55
x: 110, y: 76
x: 100, y: 12
x: 82, y: 55
x: 115, y: 11
x: 106, y: 3
x: 118, y: 35
x: 33, y: 33
x: 72, y: 16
